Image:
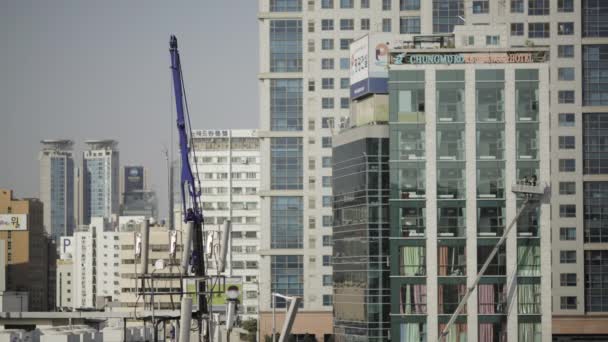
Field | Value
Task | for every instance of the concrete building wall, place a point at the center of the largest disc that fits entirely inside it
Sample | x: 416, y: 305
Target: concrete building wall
x: 26, y: 251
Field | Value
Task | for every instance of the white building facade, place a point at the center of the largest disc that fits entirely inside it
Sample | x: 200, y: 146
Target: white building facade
x: 228, y: 166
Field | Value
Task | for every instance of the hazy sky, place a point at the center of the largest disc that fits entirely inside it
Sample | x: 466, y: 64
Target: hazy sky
x: 100, y: 69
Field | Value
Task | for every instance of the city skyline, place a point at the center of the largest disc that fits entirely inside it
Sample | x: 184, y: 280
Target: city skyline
x: 111, y: 71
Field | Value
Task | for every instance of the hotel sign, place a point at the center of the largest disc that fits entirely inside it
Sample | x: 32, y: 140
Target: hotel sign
x: 467, y: 58
x: 13, y: 222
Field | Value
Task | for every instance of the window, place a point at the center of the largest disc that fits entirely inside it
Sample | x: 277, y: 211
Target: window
x: 285, y: 5
x: 327, y: 83
x: 566, y: 142
x: 328, y: 220
x: 287, y: 277
x: 327, y: 122
x: 344, y: 102
x: 327, y: 3
x: 481, y: 6
x: 311, y: 26
x: 567, y: 188
x: 364, y: 24
x: 311, y: 45
x: 517, y: 29
x: 286, y: 104
x: 327, y: 102
x: 345, y: 44
x: 567, y: 279
x: 326, y: 161
x: 447, y: 14
x: 565, y: 5
x: 567, y: 303
x: 326, y: 181
x: 538, y: 7
x: 327, y: 44
x: 517, y: 6
x: 386, y: 5
x: 327, y: 240
x: 538, y: 30
x: 327, y: 63
x: 327, y: 201
x: 327, y: 280
x: 567, y: 210
x: 347, y: 3
x: 596, y: 280
x: 565, y: 74
x: 565, y: 29
x: 595, y: 75
x: 567, y: 257
x: 326, y: 142
x: 595, y: 143
x: 347, y: 24
x: 344, y: 63
x: 286, y: 163
x: 364, y: 3
x: 567, y: 233
x: 386, y: 25
x: 344, y: 83
x: 287, y: 222
x: 409, y: 5
x: 595, y: 214
x: 285, y: 45
x: 492, y: 40
x: 328, y: 300
x: 409, y: 25
x: 566, y: 120
x: 594, y: 18
x: 565, y: 51
x: 327, y: 24
x: 327, y: 260
x: 565, y: 96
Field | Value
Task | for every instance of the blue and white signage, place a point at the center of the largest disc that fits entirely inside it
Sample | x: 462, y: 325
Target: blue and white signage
x: 369, y: 57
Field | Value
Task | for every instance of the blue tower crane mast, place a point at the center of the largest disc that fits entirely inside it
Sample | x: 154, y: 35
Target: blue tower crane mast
x: 190, y: 185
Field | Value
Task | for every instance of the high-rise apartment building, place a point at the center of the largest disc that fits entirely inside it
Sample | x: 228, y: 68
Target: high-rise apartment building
x: 100, y: 180
x: 57, y: 187
x: 96, y: 261
x: 228, y: 166
x: 136, y: 199
x: 26, y: 246
x: 303, y: 49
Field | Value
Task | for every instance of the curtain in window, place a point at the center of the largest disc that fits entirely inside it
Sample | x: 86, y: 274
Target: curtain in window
x: 456, y: 333
x: 420, y: 298
x: 411, y: 332
x: 529, y: 332
x: 528, y: 260
x: 486, y: 299
x: 528, y: 298
x: 443, y: 260
x: 412, y: 261
x: 486, y: 332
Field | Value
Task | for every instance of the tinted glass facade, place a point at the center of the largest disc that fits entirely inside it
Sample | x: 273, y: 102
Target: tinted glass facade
x: 286, y: 104
x: 595, y: 143
x: 596, y: 281
x: 447, y: 14
x: 595, y: 75
x: 360, y: 240
x: 62, y: 197
x: 285, y: 45
x: 286, y: 163
x: 287, y: 277
x: 595, y: 15
x: 596, y: 211
x: 285, y: 5
x: 287, y: 222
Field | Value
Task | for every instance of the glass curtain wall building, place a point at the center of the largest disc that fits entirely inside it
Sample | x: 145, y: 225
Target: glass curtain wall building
x: 100, y: 185
x: 461, y: 135
x: 57, y: 187
x: 361, y: 230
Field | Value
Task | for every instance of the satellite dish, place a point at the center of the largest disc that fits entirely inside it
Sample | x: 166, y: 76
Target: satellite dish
x: 159, y: 264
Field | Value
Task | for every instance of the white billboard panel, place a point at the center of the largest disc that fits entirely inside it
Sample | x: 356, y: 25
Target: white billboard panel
x: 13, y: 222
